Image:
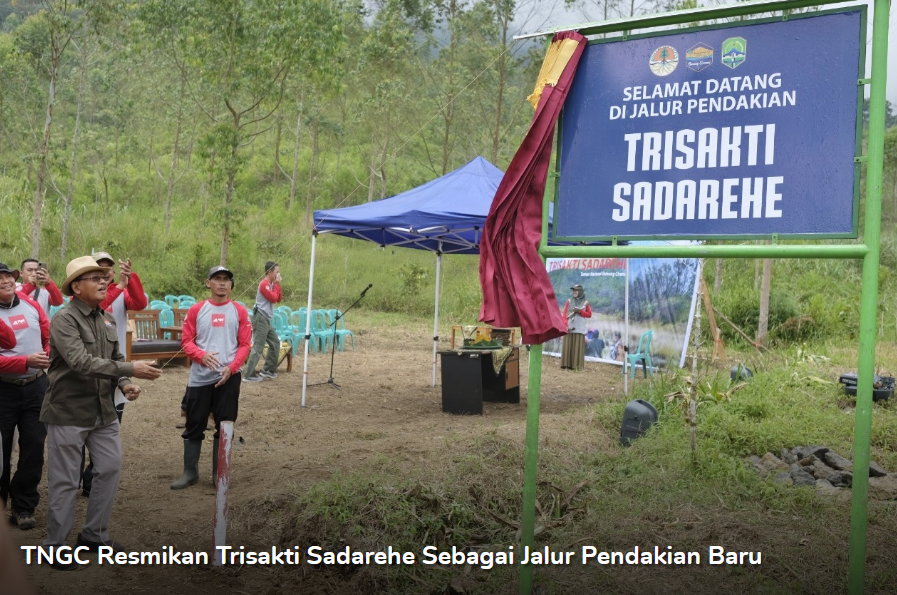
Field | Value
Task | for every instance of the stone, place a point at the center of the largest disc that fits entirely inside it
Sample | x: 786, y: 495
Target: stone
x: 847, y: 478
x: 807, y: 461
x: 820, y: 470
x: 784, y: 478
x: 824, y: 488
x: 802, y: 452
x: 773, y: 463
x: 875, y: 470
x: 883, y: 488
x: 788, y: 456
x: 754, y: 462
x: 800, y: 477
x: 836, y: 480
x: 836, y: 461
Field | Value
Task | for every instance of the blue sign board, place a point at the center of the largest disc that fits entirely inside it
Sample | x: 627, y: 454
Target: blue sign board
x: 744, y: 131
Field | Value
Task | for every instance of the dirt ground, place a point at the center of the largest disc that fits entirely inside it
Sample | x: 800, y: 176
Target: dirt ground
x: 386, y: 407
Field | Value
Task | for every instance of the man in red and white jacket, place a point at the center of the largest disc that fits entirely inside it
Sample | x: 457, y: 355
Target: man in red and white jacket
x: 215, y: 337
x: 38, y: 285
x: 23, y: 382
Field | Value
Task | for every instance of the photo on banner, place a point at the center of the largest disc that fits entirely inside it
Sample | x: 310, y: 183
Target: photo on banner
x: 662, y: 298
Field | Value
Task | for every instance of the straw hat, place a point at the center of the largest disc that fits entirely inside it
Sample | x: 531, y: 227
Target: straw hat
x: 78, y: 267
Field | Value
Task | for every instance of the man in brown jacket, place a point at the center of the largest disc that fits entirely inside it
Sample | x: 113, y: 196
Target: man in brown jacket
x: 86, y: 365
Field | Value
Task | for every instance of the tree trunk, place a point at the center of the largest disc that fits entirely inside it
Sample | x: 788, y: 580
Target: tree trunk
x: 502, y: 65
x: 763, y: 323
x: 296, y: 156
x: 309, y: 198
x: 44, y: 151
x: 383, y: 152
x: 229, y: 191
x: 68, y: 195
x: 371, y: 171
x: 174, y: 154
x: 277, y: 133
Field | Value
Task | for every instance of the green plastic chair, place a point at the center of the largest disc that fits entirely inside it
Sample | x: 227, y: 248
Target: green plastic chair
x: 320, y: 330
x: 341, y: 331
x: 643, y: 353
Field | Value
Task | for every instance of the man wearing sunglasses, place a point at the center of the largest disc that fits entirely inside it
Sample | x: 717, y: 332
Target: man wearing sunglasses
x: 86, y: 366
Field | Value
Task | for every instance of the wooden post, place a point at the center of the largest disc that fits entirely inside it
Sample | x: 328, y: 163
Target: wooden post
x: 226, y: 437
x: 719, y: 347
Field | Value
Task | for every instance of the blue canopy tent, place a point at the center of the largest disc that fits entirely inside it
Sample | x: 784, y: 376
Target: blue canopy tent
x: 445, y: 216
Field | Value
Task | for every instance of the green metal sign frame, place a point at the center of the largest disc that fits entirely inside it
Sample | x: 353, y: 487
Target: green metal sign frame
x: 868, y: 250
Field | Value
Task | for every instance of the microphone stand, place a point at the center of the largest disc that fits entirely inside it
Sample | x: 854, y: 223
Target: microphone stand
x: 333, y: 344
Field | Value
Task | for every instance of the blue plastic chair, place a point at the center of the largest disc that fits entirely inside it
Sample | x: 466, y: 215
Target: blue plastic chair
x: 643, y: 353
x: 320, y: 330
x: 54, y: 310
x: 186, y: 301
x: 341, y: 331
x: 297, y: 325
x: 159, y: 305
x: 166, y: 318
x: 172, y: 301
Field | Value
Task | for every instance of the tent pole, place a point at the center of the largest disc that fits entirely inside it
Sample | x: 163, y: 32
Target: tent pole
x: 311, y: 285
x: 436, y: 315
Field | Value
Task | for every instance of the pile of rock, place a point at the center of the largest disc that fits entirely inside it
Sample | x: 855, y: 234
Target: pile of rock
x: 822, y: 467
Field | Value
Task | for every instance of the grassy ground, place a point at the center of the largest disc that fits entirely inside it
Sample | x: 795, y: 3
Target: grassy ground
x: 593, y: 492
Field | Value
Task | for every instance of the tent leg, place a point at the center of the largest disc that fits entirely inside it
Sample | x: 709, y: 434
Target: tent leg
x: 436, y: 314
x: 311, y: 285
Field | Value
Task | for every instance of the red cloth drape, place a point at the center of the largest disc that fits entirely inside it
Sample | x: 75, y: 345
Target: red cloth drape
x: 516, y: 288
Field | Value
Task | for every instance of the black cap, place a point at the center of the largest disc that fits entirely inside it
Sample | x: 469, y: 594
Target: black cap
x: 6, y: 269
x: 220, y: 269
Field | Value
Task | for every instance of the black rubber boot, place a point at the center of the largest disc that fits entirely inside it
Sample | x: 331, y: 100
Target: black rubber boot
x: 192, y: 449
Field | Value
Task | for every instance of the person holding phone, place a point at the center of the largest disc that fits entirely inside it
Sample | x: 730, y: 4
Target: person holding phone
x: 262, y: 331
x: 39, y: 286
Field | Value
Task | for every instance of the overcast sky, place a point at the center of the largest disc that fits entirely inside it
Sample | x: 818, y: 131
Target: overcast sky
x: 536, y: 16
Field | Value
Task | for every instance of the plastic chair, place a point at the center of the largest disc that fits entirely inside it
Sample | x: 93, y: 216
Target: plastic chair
x: 54, y: 310
x: 320, y: 330
x: 281, y: 325
x: 172, y: 301
x: 341, y: 331
x: 159, y: 305
x: 297, y: 325
x: 185, y: 301
x: 642, y: 353
x: 166, y: 318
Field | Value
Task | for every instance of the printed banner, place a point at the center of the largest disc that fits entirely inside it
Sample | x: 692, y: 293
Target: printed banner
x: 662, y: 294
x: 740, y: 131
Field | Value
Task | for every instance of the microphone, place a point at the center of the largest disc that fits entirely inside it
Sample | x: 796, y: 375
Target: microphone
x: 366, y: 289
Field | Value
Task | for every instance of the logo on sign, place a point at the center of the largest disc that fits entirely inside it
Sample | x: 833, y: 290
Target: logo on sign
x: 698, y: 57
x: 217, y: 319
x: 734, y: 51
x: 664, y: 60
x: 18, y: 322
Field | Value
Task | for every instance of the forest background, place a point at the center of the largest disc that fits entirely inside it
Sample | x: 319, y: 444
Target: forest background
x: 184, y: 133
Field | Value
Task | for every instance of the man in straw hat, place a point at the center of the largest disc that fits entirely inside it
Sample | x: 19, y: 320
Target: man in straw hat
x: 23, y: 382
x: 86, y: 365
x: 125, y: 295
x: 216, y: 337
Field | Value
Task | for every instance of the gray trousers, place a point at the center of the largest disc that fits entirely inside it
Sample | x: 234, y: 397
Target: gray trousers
x: 64, y: 445
x: 263, y: 333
